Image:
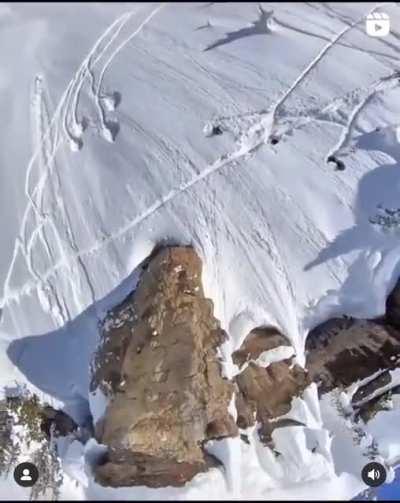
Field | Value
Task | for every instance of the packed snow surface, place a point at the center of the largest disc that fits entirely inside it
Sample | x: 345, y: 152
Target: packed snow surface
x: 106, y: 151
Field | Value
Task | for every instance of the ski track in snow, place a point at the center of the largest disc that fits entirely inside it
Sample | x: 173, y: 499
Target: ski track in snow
x: 40, y: 114
x: 20, y: 244
x: 47, y: 142
x: 302, y: 31
x: 316, y: 60
x: 347, y: 133
x: 105, y: 129
x: 359, y: 97
x: 37, y: 191
x: 276, y: 109
x: 257, y: 135
x: 56, y: 117
x: 87, y: 70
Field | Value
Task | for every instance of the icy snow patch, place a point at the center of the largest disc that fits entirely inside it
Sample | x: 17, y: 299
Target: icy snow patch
x: 98, y: 403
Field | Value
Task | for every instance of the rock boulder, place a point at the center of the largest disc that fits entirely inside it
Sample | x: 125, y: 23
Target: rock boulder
x: 265, y: 393
x: 342, y: 351
x: 158, y: 364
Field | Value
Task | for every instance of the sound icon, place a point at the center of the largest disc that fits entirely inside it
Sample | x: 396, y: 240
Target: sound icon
x: 373, y: 474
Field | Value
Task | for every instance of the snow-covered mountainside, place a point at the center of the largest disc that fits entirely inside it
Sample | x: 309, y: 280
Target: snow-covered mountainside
x: 267, y: 137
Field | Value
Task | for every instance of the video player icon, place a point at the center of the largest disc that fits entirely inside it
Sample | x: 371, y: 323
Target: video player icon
x: 377, y: 24
x: 373, y: 474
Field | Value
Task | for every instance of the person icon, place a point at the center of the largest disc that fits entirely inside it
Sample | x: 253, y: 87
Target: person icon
x: 26, y: 475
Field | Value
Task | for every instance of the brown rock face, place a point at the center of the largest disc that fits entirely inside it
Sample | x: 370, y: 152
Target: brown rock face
x: 342, y: 351
x: 363, y: 392
x: 266, y: 393
x: 369, y: 409
x: 159, y: 364
x: 258, y: 341
x: 373, y: 397
x: 126, y: 468
x: 393, y: 306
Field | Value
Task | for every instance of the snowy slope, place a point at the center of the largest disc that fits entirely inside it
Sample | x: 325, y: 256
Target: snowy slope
x: 104, y: 155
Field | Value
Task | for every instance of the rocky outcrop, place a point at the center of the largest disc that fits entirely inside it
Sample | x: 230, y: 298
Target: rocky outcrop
x: 373, y: 396
x: 371, y: 387
x: 371, y: 407
x: 158, y: 363
x: 342, y: 351
x: 259, y: 340
x: 265, y: 393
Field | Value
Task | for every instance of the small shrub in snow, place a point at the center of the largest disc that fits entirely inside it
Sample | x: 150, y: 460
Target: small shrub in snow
x: 345, y: 412
x: 386, y: 218
x: 372, y: 450
x: 9, y: 448
x: 48, y: 464
x: 27, y: 412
